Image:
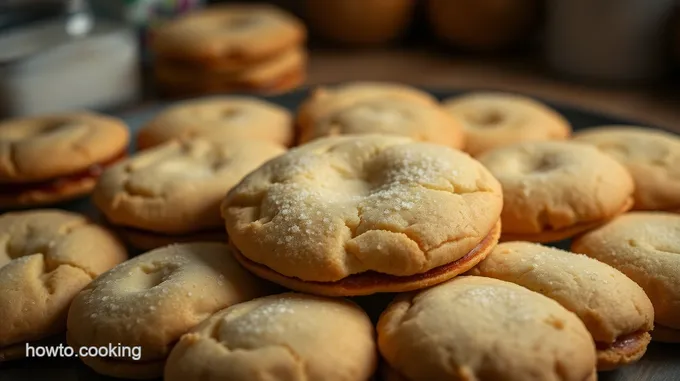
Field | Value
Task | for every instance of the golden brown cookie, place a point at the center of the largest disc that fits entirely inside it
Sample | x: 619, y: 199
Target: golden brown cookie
x: 615, y: 310
x: 325, y: 101
x: 357, y: 215
x: 54, y: 158
x: 493, y: 120
x: 152, y: 300
x: 646, y: 247
x: 221, y: 119
x: 46, y: 257
x: 421, y: 122
x: 475, y: 328
x: 280, y: 337
x: 233, y: 35
x: 651, y: 156
x: 176, y: 188
x: 555, y: 190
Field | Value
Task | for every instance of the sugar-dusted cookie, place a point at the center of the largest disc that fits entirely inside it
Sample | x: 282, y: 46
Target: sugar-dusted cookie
x: 46, y: 258
x: 53, y: 158
x: 493, y: 120
x: 225, y: 118
x: 280, y: 337
x: 357, y: 215
x: 646, y: 247
x: 172, y: 192
x: 555, y: 190
x: 475, y: 328
x: 616, y: 311
x: 651, y: 156
x: 152, y: 300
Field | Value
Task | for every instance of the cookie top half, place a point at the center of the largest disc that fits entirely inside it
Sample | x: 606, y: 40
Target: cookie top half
x: 233, y: 32
x: 474, y: 328
x: 44, y: 147
x: 287, y: 336
x: 651, y: 156
x: 345, y: 205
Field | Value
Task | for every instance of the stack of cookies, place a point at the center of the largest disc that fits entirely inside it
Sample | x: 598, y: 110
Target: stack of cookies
x: 230, y: 48
x: 378, y: 197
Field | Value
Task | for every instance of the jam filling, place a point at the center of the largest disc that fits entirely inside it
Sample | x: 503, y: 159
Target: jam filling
x: 57, y: 184
x: 624, y: 343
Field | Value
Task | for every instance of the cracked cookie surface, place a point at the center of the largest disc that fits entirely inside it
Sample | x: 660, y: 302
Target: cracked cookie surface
x: 346, y: 205
x: 46, y: 258
x: 291, y: 336
x: 554, y: 190
x: 153, y: 299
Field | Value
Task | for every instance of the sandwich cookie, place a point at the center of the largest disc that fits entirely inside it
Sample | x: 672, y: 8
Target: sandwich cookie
x: 172, y: 192
x: 421, y: 122
x: 46, y: 258
x: 152, y: 300
x: 493, y: 120
x: 646, y: 247
x: 281, y: 337
x: 484, y: 329
x: 651, y: 156
x: 555, y: 190
x: 357, y: 215
x: 219, y: 118
x: 616, y: 311
x: 49, y: 159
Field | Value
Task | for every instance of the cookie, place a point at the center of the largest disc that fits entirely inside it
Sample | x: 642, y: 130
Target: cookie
x: 219, y: 118
x: 280, y: 73
x: 645, y: 246
x: 281, y: 337
x: 46, y: 257
x: 175, y: 189
x: 651, y: 156
x: 325, y: 101
x: 233, y: 36
x: 615, y: 310
x: 78, y: 145
x: 475, y: 328
x: 493, y: 120
x: 357, y: 215
x: 421, y: 122
x: 152, y: 300
x: 555, y: 190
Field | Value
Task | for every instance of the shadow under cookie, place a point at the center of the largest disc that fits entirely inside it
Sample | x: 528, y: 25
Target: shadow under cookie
x: 148, y: 240
x: 371, y: 282
x: 665, y: 334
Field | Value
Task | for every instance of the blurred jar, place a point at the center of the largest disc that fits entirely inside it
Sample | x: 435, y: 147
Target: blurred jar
x: 609, y: 40
x: 359, y: 22
x: 483, y: 25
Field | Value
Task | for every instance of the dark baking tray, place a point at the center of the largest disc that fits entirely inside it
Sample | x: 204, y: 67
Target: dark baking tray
x: 661, y: 363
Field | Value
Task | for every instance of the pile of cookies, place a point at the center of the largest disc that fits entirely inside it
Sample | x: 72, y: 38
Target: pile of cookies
x: 230, y: 48
x: 254, y: 244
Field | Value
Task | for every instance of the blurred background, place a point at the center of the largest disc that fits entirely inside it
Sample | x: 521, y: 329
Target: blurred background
x: 613, y: 56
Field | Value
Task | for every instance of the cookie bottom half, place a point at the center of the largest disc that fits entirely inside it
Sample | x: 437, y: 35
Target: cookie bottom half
x: 372, y: 282
x: 625, y: 350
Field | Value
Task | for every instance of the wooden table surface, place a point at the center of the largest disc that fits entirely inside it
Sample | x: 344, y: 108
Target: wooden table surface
x: 651, y: 104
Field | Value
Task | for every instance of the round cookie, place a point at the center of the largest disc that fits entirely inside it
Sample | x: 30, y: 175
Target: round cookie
x: 229, y: 36
x: 646, y: 247
x: 421, y: 122
x: 555, y: 190
x: 615, y: 310
x: 78, y: 146
x: 475, y: 328
x: 46, y: 258
x: 651, y: 156
x: 219, y: 118
x: 493, y: 120
x: 175, y: 189
x: 325, y: 101
x: 356, y: 215
x: 153, y: 299
x: 280, y: 337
